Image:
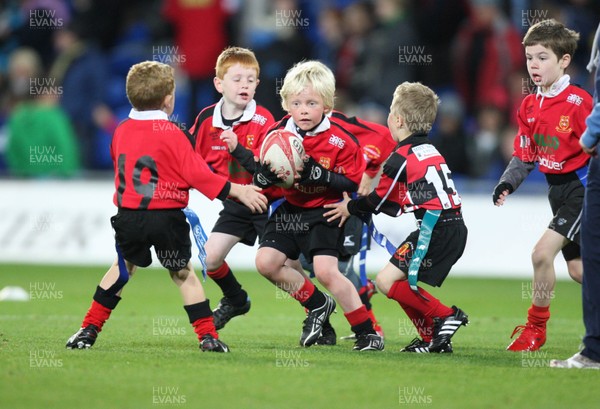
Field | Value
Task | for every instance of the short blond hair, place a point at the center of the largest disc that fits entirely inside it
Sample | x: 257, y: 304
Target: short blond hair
x: 417, y: 104
x: 305, y: 73
x: 235, y: 55
x: 148, y: 83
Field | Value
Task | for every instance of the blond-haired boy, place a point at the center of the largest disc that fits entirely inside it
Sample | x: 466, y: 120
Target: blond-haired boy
x: 334, y: 164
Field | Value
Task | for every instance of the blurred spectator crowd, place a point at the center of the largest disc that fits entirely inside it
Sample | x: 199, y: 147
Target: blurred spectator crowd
x: 63, y: 65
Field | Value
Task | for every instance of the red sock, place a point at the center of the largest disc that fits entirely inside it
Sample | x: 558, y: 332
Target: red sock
x: 219, y: 272
x: 423, y: 324
x: 96, y: 315
x: 358, y: 316
x: 538, y: 316
x: 304, y: 293
x: 203, y: 326
x: 401, y: 292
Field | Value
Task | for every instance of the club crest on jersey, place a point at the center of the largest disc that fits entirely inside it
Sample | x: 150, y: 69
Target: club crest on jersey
x: 249, y: 141
x: 404, y: 251
x: 425, y: 151
x: 214, y: 133
x: 563, y: 124
x: 325, y: 162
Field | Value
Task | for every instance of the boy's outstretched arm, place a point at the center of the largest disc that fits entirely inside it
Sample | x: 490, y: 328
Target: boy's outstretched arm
x: 514, y: 174
x: 313, y: 173
x: 250, y: 196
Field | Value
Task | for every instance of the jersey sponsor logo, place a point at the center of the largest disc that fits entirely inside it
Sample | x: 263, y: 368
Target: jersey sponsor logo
x: 371, y: 152
x: 551, y: 164
x: 218, y: 148
x: 574, y: 99
x: 404, y: 251
x: 530, y: 120
x: 546, y: 141
x: 259, y: 119
x: 563, y: 124
x: 336, y: 141
x: 311, y: 190
x: 325, y: 162
x: 425, y: 151
x: 235, y: 169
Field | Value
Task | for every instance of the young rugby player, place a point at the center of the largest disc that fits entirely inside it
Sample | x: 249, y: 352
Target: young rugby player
x: 550, y: 124
x: 155, y: 167
x: 416, y: 179
x: 334, y: 164
x: 228, y: 136
x: 377, y: 144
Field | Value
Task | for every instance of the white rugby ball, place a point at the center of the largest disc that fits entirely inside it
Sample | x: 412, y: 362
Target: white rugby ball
x: 284, y: 151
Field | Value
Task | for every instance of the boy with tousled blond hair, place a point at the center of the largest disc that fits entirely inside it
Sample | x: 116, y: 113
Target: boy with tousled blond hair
x: 334, y: 164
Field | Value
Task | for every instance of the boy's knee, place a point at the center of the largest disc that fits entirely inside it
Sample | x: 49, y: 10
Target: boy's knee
x: 383, y: 284
x: 213, y: 263
x: 180, y: 275
x: 540, y: 257
x: 264, y: 266
x: 575, y: 269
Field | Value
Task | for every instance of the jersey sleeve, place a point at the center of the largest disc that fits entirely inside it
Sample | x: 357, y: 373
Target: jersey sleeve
x: 197, y: 174
x: 351, y: 162
x: 386, y: 196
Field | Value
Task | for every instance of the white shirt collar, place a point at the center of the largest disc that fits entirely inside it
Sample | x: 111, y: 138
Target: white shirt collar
x: 247, y: 115
x: 559, y: 86
x: 322, y: 127
x: 148, y: 115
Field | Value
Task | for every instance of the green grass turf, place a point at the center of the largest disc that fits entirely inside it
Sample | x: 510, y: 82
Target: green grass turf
x: 147, y: 355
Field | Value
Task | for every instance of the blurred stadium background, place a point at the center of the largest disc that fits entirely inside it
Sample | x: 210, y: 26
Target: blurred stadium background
x: 62, y: 75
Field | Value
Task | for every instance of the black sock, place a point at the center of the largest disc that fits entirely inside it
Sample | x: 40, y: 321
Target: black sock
x: 198, y: 310
x: 364, y: 328
x: 232, y: 289
x: 105, y: 299
x: 364, y: 297
x: 316, y: 300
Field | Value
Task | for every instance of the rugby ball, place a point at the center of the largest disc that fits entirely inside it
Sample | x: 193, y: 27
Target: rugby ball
x: 284, y: 151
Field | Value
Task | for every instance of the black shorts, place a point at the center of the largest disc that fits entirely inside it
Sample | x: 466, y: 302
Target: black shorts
x: 448, y: 241
x: 239, y: 221
x: 167, y: 230
x: 294, y: 230
x: 566, y: 201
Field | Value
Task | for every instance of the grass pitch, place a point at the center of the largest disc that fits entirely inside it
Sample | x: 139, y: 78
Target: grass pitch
x: 147, y: 355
